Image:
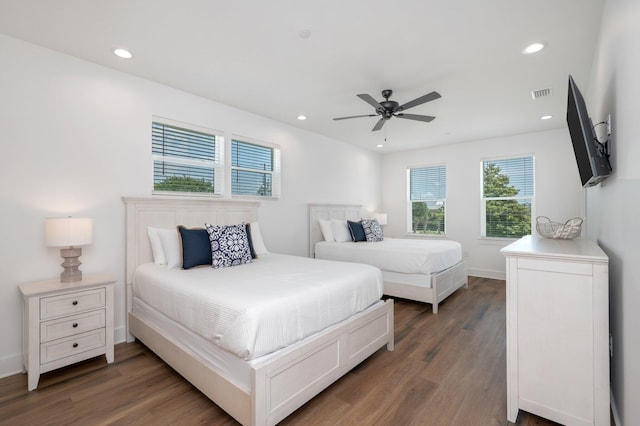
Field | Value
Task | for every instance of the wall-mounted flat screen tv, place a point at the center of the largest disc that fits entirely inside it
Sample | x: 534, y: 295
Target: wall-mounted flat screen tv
x: 591, y: 155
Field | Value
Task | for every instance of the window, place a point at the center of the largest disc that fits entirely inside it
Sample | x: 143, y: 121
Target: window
x: 186, y: 159
x: 508, y: 197
x: 255, y: 169
x: 427, y: 199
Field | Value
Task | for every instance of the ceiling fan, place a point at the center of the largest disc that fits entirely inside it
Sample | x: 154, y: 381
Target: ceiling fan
x: 387, y: 109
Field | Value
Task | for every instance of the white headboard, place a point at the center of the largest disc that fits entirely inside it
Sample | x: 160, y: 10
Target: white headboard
x: 328, y: 211
x: 169, y: 212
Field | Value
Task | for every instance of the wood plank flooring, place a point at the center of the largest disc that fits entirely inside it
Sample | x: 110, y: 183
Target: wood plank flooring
x: 446, y: 369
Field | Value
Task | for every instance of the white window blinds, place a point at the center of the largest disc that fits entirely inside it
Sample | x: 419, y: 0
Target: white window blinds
x: 508, y: 197
x: 427, y: 199
x: 255, y: 169
x: 185, y: 159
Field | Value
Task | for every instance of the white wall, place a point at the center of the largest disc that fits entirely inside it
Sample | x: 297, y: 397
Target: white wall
x: 613, y: 208
x: 76, y: 137
x: 558, y: 192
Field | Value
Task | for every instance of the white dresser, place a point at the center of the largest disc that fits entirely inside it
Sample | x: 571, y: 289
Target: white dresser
x: 558, y: 330
x: 64, y: 323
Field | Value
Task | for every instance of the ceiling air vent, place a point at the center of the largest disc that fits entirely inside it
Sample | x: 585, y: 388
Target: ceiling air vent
x: 540, y: 93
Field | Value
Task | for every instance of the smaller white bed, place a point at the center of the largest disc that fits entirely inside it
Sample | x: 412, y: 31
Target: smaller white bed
x: 416, y: 269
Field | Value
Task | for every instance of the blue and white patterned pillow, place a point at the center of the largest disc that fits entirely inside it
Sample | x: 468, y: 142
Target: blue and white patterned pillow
x: 372, y: 230
x: 229, y: 245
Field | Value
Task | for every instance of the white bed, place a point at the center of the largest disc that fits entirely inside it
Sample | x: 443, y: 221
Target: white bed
x: 261, y: 389
x: 423, y: 270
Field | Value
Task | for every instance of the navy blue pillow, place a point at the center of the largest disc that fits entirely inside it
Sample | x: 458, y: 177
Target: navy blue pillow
x: 357, y: 231
x: 196, y: 248
x: 251, y: 249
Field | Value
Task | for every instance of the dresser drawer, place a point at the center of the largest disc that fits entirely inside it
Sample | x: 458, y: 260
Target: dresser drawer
x: 70, y: 303
x: 68, y: 346
x: 72, y: 325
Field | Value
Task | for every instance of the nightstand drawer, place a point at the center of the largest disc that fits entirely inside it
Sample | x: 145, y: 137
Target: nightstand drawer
x: 69, y: 326
x: 55, y: 306
x: 73, y: 345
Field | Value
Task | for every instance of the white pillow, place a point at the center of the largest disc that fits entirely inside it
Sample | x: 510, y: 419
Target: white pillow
x: 156, y: 246
x: 256, y: 239
x: 325, y: 227
x: 340, y: 230
x: 171, y: 247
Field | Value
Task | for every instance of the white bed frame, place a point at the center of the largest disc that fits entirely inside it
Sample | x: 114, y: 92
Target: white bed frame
x: 443, y: 283
x: 288, y: 378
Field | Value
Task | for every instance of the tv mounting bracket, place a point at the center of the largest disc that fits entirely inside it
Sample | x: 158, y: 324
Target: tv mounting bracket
x: 603, y: 147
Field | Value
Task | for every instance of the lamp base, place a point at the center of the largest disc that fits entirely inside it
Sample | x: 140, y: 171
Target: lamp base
x: 71, y: 264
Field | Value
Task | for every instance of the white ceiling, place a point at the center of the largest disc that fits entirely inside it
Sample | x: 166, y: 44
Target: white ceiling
x: 249, y: 54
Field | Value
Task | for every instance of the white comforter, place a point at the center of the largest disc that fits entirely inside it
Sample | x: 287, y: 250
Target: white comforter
x: 257, y: 308
x: 409, y: 256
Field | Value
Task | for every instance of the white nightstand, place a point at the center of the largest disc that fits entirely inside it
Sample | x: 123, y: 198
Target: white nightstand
x: 64, y: 323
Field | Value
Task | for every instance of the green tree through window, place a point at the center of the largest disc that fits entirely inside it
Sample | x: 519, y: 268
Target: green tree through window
x: 184, y: 184
x: 186, y: 158
x: 427, y: 197
x: 508, y: 194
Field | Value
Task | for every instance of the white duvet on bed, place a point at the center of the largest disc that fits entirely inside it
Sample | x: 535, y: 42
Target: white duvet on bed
x: 408, y: 256
x: 254, y: 309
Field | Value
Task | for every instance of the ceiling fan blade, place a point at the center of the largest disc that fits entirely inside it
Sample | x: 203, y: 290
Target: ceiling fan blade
x: 369, y: 99
x: 419, y: 101
x: 425, y: 118
x: 378, y: 125
x: 356, y: 116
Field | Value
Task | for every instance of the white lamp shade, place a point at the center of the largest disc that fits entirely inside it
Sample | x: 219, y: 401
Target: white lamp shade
x: 381, y: 218
x: 68, y: 231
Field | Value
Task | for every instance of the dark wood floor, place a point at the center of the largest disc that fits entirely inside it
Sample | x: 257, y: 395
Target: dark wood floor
x: 446, y: 369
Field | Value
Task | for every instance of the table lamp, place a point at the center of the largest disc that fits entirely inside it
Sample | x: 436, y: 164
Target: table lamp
x: 69, y: 233
x: 381, y: 218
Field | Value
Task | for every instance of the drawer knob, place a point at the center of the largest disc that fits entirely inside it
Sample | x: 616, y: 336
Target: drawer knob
x: 74, y: 303
x: 75, y: 324
x: 75, y: 345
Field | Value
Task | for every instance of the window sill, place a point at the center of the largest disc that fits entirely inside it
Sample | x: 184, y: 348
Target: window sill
x: 186, y: 194
x: 497, y: 241
x: 253, y: 197
x: 425, y: 236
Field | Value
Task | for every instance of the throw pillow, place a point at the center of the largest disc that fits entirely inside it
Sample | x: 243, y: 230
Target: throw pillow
x: 251, y: 249
x: 325, y: 227
x: 196, y: 248
x: 372, y: 230
x: 357, y: 231
x: 229, y: 245
x: 171, y: 247
x: 340, y: 230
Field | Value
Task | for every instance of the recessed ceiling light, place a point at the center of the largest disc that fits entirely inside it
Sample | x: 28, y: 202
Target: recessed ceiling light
x: 379, y: 145
x: 302, y: 117
x: 533, y: 48
x: 546, y: 117
x: 123, y: 53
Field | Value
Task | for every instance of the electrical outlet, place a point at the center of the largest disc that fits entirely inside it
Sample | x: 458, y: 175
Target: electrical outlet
x: 611, y: 345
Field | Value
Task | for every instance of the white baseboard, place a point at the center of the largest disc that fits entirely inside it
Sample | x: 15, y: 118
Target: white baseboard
x: 614, y: 409
x: 120, y: 335
x: 488, y: 273
x: 11, y: 365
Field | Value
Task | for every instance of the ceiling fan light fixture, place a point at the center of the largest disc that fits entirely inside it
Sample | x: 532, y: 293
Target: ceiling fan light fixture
x: 387, y: 109
x: 533, y: 48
